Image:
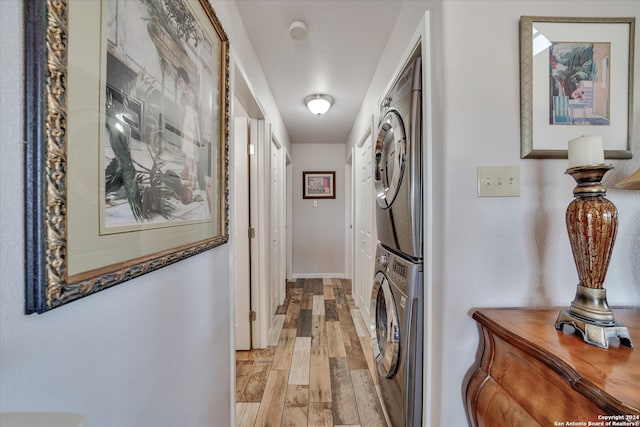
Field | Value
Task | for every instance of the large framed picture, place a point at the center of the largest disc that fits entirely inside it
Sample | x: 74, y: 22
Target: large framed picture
x: 576, y: 78
x: 318, y: 185
x: 127, y: 141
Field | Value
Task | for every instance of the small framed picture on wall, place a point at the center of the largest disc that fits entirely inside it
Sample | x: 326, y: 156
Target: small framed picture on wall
x: 318, y: 185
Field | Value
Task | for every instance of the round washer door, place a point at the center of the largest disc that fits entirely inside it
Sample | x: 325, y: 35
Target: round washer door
x: 390, y: 156
x: 385, y: 327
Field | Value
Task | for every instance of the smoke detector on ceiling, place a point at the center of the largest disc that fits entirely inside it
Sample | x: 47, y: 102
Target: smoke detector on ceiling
x: 298, y: 31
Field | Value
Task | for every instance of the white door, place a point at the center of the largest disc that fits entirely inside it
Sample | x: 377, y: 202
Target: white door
x: 276, y: 212
x: 349, y: 219
x: 259, y: 182
x: 240, y: 230
x: 365, y: 222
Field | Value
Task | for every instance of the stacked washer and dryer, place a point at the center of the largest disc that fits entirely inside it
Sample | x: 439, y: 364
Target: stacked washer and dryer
x: 397, y: 296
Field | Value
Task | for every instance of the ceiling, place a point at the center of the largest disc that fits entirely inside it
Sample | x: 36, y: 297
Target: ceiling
x: 342, y: 49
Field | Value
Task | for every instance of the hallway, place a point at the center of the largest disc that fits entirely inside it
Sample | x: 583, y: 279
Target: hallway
x: 318, y: 369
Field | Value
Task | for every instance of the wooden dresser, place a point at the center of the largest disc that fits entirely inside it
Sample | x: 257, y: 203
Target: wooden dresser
x: 529, y: 374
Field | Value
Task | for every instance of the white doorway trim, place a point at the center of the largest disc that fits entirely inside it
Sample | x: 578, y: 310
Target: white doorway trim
x: 239, y: 232
x: 348, y: 218
x: 289, y: 216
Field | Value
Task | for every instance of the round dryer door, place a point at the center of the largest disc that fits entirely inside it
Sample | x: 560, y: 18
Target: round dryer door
x: 390, y: 156
x: 385, y: 327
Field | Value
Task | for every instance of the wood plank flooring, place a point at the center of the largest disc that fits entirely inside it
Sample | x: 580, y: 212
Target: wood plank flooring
x: 318, y: 369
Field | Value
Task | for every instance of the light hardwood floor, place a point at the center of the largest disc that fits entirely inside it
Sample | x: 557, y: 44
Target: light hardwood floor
x: 318, y: 369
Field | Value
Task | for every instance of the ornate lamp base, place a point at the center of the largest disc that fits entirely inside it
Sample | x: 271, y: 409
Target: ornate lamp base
x: 594, y: 333
x: 592, y: 223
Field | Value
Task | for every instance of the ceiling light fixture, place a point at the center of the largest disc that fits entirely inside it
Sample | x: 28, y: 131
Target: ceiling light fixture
x: 318, y: 104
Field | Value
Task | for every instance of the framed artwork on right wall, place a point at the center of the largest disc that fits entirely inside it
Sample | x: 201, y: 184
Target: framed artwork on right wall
x: 576, y: 78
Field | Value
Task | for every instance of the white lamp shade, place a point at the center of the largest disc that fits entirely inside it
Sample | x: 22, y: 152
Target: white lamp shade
x: 318, y: 104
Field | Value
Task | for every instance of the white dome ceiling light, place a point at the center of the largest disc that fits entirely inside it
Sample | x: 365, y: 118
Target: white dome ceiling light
x: 318, y: 104
x: 298, y: 31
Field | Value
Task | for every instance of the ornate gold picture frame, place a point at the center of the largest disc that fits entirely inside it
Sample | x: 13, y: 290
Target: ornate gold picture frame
x: 126, y: 164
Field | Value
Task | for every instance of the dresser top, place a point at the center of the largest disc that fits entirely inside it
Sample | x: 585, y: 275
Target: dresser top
x: 602, y: 373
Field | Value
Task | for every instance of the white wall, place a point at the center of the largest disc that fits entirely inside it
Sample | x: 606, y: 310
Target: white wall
x: 511, y: 252
x: 245, y: 58
x: 154, y: 351
x: 318, y: 233
x: 504, y: 251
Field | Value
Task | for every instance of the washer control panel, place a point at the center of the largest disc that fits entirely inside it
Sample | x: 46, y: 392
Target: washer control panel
x: 398, y: 271
x: 395, y: 267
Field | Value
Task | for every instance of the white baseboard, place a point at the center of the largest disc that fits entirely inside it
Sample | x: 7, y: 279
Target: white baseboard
x: 295, y: 276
